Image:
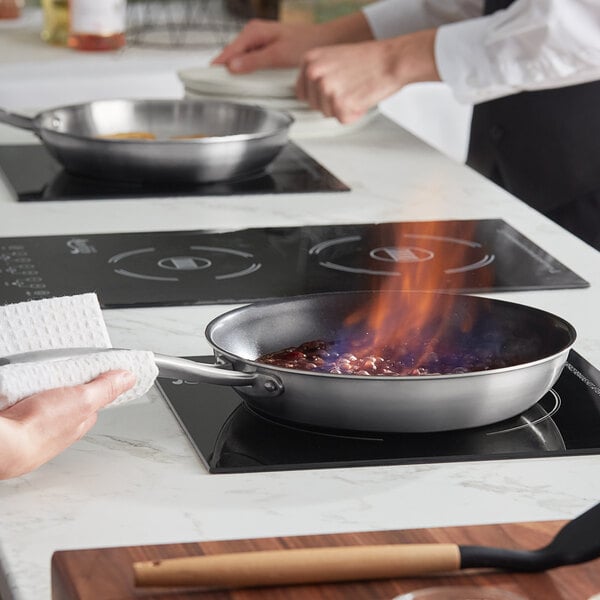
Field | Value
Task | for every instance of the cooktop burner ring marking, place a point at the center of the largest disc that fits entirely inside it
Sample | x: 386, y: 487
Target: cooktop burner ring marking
x: 127, y: 273
x: 255, y: 266
x: 442, y: 238
x: 251, y: 269
x: 483, y: 262
x: 324, y: 245
x: 225, y: 250
x: 122, y: 255
x: 247, y: 271
x: 530, y: 424
x: 336, y: 267
x: 488, y: 259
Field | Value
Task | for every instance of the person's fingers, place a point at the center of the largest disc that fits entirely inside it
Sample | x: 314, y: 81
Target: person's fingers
x: 106, y: 387
x: 325, y: 104
x: 309, y: 72
x: 255, y: 34
x: 58, y: 414
x: 314, y: 85
x: 300, y: 87
x: 44, y: 424
x: 86, y: 425
x: 254, y: 60
x: 322, y: 95
x: 346, y: 111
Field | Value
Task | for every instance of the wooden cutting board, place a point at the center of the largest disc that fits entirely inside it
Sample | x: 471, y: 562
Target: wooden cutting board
x: 106, y: 573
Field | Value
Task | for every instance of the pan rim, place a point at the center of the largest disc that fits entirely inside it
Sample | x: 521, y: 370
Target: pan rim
x: 208, y: 140
x: 219, y: 320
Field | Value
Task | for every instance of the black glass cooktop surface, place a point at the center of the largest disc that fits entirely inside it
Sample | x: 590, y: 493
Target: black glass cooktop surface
x: 230, y: 437
x: 212, y: 267
x: 35, y: 175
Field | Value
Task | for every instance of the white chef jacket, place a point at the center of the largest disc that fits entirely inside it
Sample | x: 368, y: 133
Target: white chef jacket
x: 531, y: 45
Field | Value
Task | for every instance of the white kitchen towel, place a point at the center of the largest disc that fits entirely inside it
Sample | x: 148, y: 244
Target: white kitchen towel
x: 66, y: 322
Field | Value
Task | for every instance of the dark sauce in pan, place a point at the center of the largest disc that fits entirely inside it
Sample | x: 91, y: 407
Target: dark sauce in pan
x: 344, y: 358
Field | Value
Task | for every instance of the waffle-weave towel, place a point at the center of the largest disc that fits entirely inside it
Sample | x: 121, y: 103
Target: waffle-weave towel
x: 65, y: 322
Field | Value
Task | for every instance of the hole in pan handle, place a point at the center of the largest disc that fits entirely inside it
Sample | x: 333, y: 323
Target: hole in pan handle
x: 181, y: 368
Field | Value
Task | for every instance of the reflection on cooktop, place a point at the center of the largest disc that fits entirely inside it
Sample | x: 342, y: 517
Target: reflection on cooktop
x: 230, y: 437
x: 207, y: 267
x: 35, y: 175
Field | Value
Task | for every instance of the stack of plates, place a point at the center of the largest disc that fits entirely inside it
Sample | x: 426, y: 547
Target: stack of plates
x: 269, y: 88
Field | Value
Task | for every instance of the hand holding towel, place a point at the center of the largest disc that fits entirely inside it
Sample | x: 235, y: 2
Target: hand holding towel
x: 64, y: 322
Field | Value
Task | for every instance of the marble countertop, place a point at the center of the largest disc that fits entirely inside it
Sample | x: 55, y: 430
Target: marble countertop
x: 135, y: 478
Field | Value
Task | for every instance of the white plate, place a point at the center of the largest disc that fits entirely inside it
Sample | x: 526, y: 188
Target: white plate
x: 308, y: 123
x: 275, y: 103
x: 216, y: 79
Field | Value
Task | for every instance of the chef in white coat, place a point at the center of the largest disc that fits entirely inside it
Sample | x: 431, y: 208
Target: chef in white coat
x: 530, y: 67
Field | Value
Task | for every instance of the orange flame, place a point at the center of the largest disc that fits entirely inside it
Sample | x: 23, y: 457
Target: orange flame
x: 416, y: 324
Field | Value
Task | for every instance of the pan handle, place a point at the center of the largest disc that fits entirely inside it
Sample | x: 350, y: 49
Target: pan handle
x: 173, y: 367
x: 20, y: 121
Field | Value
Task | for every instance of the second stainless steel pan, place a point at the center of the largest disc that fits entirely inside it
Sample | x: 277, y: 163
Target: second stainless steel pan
x: 192, y: 140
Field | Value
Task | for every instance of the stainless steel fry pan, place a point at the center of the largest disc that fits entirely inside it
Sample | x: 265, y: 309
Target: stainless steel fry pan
x: 378, y: 403
x: 237, y: 140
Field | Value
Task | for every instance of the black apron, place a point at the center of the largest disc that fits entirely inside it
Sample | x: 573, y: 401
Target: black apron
x: 544, y: 148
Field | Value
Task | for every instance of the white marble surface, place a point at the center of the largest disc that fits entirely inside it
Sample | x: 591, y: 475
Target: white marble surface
x: 135, y: 479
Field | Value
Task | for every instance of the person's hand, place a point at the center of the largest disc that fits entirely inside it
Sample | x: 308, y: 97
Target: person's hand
x: 266, y: 44
x: 41, y: 426
x: 345, y: 81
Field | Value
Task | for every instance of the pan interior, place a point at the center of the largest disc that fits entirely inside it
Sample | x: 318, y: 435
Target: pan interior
x: 271, y: 326
x: 164, y: 119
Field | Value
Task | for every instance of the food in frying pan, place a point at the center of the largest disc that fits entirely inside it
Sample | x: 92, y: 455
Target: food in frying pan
x: 146, y: 135
x: 188, y: 137
x: 130, y: 135
x: 433, y: 358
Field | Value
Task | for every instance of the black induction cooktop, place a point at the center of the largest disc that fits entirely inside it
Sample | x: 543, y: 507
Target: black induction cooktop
x: 211, y: 267
x: 231, y: 437
x: 35, y: 175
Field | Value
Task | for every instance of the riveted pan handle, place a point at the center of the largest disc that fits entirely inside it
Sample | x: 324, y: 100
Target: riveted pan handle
x: 171, y: 367
x: 20, y: 121
x: 174, y: 367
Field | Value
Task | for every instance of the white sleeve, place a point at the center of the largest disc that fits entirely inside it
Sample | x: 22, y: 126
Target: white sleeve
x: 389, y: 18
x: 532, y: 45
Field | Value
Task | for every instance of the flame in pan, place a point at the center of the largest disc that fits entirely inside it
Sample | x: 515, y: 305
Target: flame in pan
x: 412, y: 329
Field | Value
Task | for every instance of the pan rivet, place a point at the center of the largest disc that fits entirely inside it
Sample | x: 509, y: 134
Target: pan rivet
x: 270, y: 386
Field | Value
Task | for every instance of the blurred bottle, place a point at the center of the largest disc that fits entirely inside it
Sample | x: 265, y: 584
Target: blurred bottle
x: 97, y: 24
x: 56, y: 21
x: 10, y: 9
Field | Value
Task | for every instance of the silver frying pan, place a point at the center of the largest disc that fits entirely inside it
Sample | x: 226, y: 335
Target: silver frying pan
x: 536, y: 344
x: 186, y: 140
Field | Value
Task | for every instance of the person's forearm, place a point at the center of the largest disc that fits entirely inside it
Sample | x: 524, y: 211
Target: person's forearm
x: 417, y: 63
x: 346, y: 80
x: 347, y: 29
